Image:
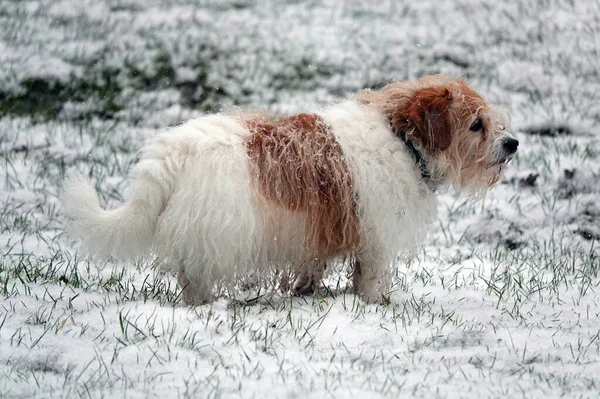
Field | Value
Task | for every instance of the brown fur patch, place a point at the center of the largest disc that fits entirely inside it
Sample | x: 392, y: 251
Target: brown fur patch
x: 428, y: 112
x: 300, y: 166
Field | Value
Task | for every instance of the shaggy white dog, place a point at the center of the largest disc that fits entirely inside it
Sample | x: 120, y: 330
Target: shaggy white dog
x: 225, y: 198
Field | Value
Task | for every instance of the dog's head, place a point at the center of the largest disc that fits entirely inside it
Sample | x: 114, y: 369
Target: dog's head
x: 464, y: 139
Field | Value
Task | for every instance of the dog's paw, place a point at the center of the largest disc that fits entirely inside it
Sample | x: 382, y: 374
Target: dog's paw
x: 305, y: 284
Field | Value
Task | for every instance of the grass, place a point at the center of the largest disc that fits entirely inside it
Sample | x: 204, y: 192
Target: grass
x: 500, y: 302
x: 44, y: 99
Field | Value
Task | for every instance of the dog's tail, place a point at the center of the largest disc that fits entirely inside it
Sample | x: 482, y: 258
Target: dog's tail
x: 128, y: 231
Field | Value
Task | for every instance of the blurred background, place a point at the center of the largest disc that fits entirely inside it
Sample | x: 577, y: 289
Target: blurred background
x: 117, y: 60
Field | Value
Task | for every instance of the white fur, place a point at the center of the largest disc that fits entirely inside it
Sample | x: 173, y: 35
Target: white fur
x: 394, y: 204
x: 192, y: 204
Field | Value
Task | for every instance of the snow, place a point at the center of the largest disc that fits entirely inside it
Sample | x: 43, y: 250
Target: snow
x: 500, y: 302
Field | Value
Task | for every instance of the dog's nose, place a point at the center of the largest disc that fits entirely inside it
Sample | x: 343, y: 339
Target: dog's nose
x: 510, y: 145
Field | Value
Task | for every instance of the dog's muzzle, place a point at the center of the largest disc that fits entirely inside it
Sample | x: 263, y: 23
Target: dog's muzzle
x: 504, y: 150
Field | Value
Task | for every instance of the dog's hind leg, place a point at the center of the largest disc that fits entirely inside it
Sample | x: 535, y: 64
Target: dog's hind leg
x: 284, y: 278
x: 309, y: 278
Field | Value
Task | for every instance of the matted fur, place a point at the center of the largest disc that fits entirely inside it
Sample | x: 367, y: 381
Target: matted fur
x: 226, y: 198
x: 298, y: 165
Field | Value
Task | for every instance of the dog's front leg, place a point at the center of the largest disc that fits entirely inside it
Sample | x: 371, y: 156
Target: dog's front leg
x: 371, y: 277
x: 192, y: 293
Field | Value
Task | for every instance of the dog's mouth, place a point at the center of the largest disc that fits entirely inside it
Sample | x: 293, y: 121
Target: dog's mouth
x: 501, y: 163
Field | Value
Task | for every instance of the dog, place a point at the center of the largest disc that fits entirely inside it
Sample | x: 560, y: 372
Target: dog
x: 225, y: 198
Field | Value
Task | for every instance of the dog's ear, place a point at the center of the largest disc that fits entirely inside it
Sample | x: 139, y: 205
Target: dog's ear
x: 429, y: 112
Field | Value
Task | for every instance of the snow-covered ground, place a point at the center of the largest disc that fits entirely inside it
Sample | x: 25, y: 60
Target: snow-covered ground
x: 501, y: 302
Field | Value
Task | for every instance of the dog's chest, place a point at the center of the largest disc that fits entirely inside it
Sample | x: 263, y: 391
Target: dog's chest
x: 392, y: 197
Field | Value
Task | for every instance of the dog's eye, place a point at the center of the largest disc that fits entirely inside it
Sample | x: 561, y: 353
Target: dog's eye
x: 477, y: 126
